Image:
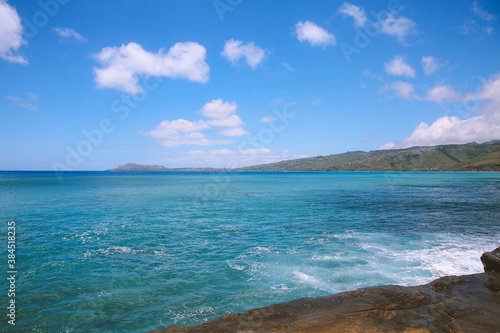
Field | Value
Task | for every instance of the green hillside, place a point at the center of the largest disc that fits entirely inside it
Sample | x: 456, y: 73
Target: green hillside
x: 466, y: 157
x: 138, y: 167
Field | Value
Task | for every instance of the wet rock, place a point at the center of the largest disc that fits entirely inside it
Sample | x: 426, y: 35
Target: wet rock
x: 469, y: 303
x: 491, y: 261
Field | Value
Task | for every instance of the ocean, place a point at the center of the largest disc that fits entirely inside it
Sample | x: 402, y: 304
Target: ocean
x: 107, y: 252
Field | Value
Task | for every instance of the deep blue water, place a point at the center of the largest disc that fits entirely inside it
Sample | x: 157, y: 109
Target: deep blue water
x: 100, y: 252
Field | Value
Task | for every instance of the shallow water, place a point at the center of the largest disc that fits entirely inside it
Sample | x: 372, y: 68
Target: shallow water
x: 132, y: 252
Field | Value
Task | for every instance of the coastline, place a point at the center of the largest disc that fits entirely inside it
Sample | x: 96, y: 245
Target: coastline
x: 468, y: 303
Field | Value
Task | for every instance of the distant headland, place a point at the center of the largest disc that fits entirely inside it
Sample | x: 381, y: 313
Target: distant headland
x: 464, y: 157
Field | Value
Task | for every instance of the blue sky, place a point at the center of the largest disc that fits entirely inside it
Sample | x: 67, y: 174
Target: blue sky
x: 89, y: 85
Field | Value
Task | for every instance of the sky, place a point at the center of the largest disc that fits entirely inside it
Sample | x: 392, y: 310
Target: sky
x: 90, y: 85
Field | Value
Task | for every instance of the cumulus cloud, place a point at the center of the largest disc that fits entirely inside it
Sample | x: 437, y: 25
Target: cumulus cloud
x: 441, y: 92
x: 357, y: 13
x: 315, y: 35
x: 482, y: 13
x: 398, y: 27
x: 431, y: 64
x: 11, y: 34
x: 398, y: 67
x: 216, y: 108
x: 485, y: 126
x: 122, y: 66
x: 69, y: 33
x: 235, y: 50
x: 221, y: 115
x: 403, y: 89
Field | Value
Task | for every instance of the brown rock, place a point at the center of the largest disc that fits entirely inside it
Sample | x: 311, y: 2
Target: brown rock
x: 491, y: 261
x: 466, y: 304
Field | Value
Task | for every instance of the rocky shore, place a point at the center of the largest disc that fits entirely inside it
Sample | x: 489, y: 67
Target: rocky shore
x: 469, y: 303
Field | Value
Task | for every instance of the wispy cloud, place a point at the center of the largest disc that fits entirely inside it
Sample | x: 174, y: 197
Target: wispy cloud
x: 69, y: 33
x: 11, y: 34
x: 281, y: 102
x: 121, y: 66
x: 482, y: 13
x: 23, y: 103
x: 267, y: 119
x: 315, y: 35
x: 287, y: 66
x: 235, y: 50
x: 431, y: 64
x: 356, y: 12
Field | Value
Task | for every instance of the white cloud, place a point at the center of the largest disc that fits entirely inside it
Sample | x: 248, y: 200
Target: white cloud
x: 398, y: 66
x: 225, y: 158
x: 172, y: 133
x: 233, y: 132
x: 403, y: 89
x: 216, y: 108
x: 316, y: 36
x: 267, y: 119
x: 431, y: 64
x: 482, y: 13
x: 167, y: 127
x: 388, y: 145
x: 440, y: 93
x: 69, y: 33
x: 453, y: 130
x: 399, y: 27
x: 231, y: 121
x: 357, y: 13
x: 234, y: 50
x: 123, y: 65
x: 11, y: 34
x: 261, y: 151
x: 182, y: 132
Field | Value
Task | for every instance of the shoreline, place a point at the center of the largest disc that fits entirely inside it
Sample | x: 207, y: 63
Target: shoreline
x: 468, y: 303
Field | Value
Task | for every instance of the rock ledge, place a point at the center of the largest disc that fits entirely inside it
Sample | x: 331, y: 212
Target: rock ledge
x: 469, y: 303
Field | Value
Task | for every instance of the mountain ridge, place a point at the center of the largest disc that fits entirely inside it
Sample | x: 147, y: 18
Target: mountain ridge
x: 453, y: 157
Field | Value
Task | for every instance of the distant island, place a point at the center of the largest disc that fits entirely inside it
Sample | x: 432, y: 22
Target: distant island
x: 464, y: 157
x: 129, y: 167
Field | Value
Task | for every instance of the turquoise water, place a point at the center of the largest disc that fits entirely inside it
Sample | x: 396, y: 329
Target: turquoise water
x: 100, y: 252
